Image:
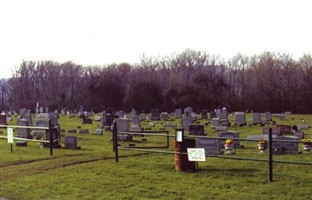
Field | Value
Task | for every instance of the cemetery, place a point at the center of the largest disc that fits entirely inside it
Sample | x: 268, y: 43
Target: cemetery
x: 148, y: 152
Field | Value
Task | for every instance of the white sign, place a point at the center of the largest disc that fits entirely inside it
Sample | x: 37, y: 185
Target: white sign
x: 179, y: 136
x: 10, y: 135
x: 196, y: 154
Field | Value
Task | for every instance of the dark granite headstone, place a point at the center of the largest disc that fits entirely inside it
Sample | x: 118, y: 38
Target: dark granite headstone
x: 196, y: 129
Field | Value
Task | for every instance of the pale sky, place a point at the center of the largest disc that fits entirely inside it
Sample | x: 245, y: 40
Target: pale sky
x: 99, y: 32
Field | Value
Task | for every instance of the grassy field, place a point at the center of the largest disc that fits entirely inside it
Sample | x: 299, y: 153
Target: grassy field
x: 92, y: 173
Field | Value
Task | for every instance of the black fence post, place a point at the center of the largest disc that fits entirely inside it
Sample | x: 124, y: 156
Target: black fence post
x: 270, y: 161
x: 115, y: 144
x: 167, y: 139
x: 51, y: 138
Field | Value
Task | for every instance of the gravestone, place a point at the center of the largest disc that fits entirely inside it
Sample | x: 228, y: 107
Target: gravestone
x: 204, y: 114
x: 178, y: 113
x: 282, y: 116
x: 142, y: 117
x: 213, y: 115
x: 187, y: 112
x: 223, y: 113
x: 211, y: 146
x: 109, y: 119
x: 218, y: 113
x: 215, y: 122
x: 3, y: 119
x: 193, y: 116
x: 230, y: 135
x: 64, y: 113
x: 71, y: 142
x: 84, y: 131
x: 285, y: 129
x: 256, y: 118
x: 289, y: 145
x: 268, y: 116
x: 136, y: 126
x: 276, y: 131
x: 37, y: 109
x: 186, y: 122
x: 155, y: 115
x: 123, y: 125
x: 133, y: 112
x: 136, y: 120
x: 196, y: 129
x: 120, y: 113
x: 97, y: 118
x: 41, y: 109
x: 164, y: 116
x: 240, y: 118
x: 99, y: 131
x: 302, y: 127
x: 47, y: 110
x: 23, y: 132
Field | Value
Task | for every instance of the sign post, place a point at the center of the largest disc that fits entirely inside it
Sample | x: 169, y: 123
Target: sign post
x: 10, y: 138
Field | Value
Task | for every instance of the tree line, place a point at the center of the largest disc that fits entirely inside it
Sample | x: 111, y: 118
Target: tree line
x: 267, y: 82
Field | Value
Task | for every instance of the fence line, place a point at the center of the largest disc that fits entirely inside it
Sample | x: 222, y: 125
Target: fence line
x: 270, y: 160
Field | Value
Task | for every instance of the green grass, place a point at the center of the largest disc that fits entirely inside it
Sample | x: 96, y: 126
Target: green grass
x: 92, y: 173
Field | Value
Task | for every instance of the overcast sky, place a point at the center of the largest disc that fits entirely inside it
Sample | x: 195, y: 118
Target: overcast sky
x: 98, y: 32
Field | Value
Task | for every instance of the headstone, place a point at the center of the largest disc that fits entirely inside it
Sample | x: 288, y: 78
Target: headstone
x: 268, y: 116
x: 276, y: 131
x: 37, y: 109
x: 213, y: 115
x: 123, y: 125
x: 3, y: 119
x: 109, y: 119
x: 63, y: 112
x: 97, y: 118
x: 155, y: 114
x: 256, y: 118
x: 71, y: 142
x: 218, y: 112
x: 120, y: 113
x: 302, y: 127
x: 193, y: 116
x: 47, y: 110
x: 240, y: 118
x: 178, y: 113
x: 196, y: 129
x: 230, y: 135
x: 285, y: 129
x: 223, y: 113
x: 289, y: 145
x: 133, y: 112
x: 187, y: 112
x: 211, y: 146
x: 23, y: 132
x: 136, y: 120
x: 99, y: 131
x: 84, y: 131
x: 204, y: 114
x: 164, y: 116
x: 215, y: 122
x: 186, y: 122
x: 282, y: 116
x: 142, y: 117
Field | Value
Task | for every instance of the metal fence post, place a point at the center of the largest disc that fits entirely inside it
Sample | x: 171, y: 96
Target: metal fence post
x: 51, y: 138
x: 115, y: 144
x: 270, y: 161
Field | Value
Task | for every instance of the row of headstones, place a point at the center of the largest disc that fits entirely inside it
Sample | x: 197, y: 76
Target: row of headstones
x: 287, y: 145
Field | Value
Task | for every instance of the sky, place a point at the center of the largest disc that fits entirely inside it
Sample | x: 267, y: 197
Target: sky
x: 100, y: 32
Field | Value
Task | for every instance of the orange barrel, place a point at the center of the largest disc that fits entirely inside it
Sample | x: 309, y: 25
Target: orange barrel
x: 181, y: 160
